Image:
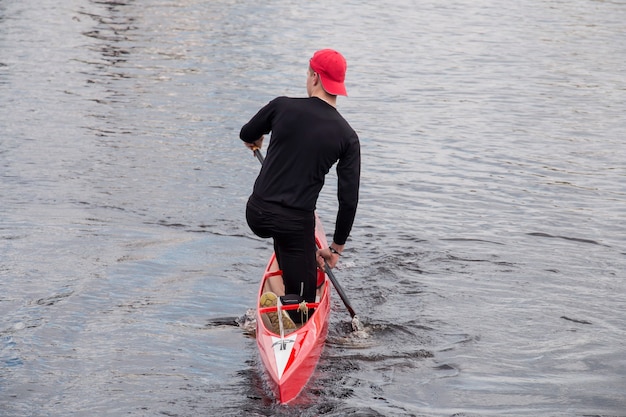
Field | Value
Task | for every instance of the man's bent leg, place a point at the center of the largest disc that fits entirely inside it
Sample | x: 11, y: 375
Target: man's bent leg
x: 296, y: 253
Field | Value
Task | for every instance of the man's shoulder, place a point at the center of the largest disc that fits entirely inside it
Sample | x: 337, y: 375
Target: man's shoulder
x: 288, y: 102
x: 281, y: 99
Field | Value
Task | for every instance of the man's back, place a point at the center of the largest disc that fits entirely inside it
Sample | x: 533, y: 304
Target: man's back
x: 308, y: 137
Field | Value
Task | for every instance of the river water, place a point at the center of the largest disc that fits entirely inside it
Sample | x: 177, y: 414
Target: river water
x: 488, y: 258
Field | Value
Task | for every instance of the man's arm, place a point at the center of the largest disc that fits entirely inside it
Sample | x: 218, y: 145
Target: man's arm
x: 348, y: 181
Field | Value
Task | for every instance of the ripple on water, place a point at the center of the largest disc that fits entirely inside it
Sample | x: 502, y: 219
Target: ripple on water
x: 487, y: 255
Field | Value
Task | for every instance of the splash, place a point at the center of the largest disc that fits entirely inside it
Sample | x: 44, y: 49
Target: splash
x: 357, y: 326
x: 248, y: 321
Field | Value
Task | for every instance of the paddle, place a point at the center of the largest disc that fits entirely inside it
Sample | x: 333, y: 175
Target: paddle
x: 258, y: 155
x: 329, y: 272
x: 340, y: 291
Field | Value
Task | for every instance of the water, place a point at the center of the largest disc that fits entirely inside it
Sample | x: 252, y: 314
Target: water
x: 487, y: 260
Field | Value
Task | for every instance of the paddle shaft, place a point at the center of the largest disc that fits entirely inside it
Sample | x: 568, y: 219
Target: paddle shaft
x: 328, y: 270
x: 258, y: 155
x: 340, y: 291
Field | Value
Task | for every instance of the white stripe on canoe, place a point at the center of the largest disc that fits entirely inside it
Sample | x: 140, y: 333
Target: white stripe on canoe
x: 282, y: 351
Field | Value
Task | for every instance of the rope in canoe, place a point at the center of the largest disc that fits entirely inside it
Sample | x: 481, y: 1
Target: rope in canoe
x: 303, y: 308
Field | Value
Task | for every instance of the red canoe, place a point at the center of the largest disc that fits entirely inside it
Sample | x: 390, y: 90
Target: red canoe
x: 290, y: 360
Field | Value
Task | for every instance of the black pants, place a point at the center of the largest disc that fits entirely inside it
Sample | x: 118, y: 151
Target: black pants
x: 293, y: 232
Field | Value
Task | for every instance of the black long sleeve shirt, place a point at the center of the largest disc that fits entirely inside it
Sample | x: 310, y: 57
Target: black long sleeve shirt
x: 308, y: 137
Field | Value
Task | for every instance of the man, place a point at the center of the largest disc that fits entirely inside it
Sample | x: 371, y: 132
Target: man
x: 308, y: 136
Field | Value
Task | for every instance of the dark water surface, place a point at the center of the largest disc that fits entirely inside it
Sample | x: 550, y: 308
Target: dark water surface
x: 488, y: 259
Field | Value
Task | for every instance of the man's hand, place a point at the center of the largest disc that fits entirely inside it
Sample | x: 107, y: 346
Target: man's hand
x: 330, y: 255
x: 257, y: 144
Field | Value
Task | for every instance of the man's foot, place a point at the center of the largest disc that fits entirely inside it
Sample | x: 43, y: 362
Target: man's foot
x: 269, y: 299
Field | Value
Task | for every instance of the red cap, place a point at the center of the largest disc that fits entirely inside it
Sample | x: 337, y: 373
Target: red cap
x: 331, y: 66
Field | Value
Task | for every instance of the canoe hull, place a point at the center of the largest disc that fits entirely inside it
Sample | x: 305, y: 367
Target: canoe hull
x: 291, y: 361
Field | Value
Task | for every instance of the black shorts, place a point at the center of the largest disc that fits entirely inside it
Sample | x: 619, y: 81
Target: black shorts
x: 293, y: 232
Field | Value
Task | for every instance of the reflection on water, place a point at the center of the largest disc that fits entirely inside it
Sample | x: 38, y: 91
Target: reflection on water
x: 488, y: 252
